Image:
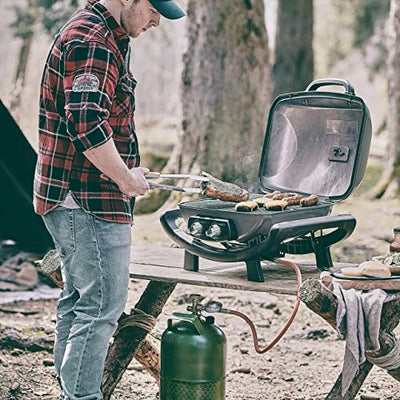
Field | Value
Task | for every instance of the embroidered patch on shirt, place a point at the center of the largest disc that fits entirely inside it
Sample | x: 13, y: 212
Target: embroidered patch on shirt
x: 85, y: 83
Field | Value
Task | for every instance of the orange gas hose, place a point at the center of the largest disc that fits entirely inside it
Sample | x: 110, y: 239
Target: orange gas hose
x: 288, y: 323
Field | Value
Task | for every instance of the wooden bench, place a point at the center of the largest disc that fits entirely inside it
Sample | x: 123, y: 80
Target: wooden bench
x: 161, y: 264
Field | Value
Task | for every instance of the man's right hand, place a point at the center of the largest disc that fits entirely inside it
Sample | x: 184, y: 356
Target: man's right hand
x: 107, y: 159
x: 133, y: 183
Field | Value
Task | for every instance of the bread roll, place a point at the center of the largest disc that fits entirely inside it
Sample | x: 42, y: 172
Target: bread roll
x: 246, y: 206
x: 276, y: 205
x: 375, y: 269
x: 352, y: 271
x: 263, y: 200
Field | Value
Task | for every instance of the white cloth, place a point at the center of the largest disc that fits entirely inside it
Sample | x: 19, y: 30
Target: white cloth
x: 69, y: 202
x: 359, y: 316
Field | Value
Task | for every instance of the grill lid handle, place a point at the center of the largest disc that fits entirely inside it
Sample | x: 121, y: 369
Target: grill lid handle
x: 314, y: 85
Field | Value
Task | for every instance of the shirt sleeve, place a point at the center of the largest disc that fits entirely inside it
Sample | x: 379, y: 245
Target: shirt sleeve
x: 90, y: 77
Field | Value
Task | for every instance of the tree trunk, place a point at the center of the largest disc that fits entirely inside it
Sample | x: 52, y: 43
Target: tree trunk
x: 388, y: 186
x: 20, y: 75
x: 226, y: 90
x: 294, y: 62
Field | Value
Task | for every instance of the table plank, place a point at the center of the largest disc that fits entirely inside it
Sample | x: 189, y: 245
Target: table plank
x: 161, y: 262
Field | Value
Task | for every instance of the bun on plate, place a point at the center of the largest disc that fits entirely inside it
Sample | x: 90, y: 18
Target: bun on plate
x: 375, y: 269
x: 352, y: 271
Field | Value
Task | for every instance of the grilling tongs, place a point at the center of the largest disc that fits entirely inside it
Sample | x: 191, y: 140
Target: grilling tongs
x: 158, y: 175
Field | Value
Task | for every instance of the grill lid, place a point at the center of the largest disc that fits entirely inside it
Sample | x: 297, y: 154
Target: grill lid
x: 316, y: 142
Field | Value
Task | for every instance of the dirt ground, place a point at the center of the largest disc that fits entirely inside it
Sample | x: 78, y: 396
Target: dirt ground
x: 303, y: 365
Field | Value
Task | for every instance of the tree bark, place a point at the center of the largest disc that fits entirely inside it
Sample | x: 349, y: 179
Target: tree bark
x: 336, y: 391
x: 226, y: 90
x: 388, y: 185
x: 20, y: 75
x: 127, y: 341
x: 293, y: 68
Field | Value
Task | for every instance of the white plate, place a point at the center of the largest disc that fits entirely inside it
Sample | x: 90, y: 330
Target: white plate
x: 339, y: 275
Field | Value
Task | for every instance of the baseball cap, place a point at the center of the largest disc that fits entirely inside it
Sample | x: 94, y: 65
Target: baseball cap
x: 168, y: 8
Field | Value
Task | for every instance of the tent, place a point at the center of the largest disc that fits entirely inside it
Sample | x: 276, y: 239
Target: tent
x: 18, y: 220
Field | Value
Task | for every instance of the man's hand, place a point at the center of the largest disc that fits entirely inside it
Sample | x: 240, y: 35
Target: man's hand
x: 133, y: 183
x: 107, y: 159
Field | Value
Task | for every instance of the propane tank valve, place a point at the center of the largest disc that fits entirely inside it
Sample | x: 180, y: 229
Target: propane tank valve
x: 196, y: 306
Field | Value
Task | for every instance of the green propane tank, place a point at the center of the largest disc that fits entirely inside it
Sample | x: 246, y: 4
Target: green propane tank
x: 193, y: 359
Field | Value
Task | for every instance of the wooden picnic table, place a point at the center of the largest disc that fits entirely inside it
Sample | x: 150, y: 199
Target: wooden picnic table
x: 162, y: 265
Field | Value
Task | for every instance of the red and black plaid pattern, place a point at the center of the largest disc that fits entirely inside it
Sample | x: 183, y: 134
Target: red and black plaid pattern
x: 86, y: 98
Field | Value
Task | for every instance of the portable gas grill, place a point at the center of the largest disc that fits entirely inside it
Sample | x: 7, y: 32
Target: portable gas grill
x: 316, y: 142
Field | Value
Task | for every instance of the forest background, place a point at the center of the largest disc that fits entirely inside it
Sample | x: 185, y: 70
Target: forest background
x: 304, y: 40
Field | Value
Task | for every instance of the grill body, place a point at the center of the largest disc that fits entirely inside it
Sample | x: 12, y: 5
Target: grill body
x: 249, y: 225
x: 316, y: 142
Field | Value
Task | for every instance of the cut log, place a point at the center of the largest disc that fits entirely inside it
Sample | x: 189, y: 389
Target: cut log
x: 149, y: 357
x: 34, y: 339
x: 320, y: 300
x: 127, y: 341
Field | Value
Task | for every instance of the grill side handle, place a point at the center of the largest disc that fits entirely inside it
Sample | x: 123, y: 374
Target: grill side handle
x: 271, y: 246
x: 344, y: 224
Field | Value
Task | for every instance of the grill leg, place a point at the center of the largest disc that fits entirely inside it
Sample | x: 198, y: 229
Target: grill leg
x: 254, y: 271
x: 191, y: 262
x: 323, y: 258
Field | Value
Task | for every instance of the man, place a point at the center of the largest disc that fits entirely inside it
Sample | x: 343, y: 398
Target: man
x: 86, y: 129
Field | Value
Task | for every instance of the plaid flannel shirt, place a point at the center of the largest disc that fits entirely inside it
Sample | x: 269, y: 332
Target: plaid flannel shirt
x: 86, y: 98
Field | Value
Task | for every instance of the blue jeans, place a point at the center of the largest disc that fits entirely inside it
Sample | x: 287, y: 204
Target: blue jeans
x: 95, y: 257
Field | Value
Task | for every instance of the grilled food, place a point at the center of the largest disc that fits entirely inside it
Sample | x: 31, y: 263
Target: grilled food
x: 246, y: 206
x: 309, y: 201
x: 261, y: 201
x: 280, y: 196
x: 218, y: 189
x: 276, y: 205
x: 295, y: 199
x: 271, y: 195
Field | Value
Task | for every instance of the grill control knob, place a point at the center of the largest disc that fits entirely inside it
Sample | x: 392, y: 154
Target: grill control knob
x: 214, y: 231
x: 196, y: 229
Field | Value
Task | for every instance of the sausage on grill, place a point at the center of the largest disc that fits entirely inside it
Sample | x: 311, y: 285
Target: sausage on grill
x: 293, y: 199
x: 309, y: 201
x: 280, y: 196
x: 271, y: 195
